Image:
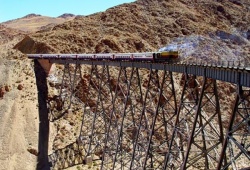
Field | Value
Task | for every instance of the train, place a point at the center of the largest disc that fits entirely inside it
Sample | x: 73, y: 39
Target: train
x: 167, y: 56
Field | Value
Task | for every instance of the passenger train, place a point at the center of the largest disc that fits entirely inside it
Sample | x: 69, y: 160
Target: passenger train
x: 147, y: 56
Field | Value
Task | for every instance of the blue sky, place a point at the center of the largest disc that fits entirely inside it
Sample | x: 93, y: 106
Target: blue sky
x: 12, y: 9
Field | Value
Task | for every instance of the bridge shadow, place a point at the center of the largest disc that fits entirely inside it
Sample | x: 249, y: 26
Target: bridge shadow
x: 70, y: 155
x: 43, y: 136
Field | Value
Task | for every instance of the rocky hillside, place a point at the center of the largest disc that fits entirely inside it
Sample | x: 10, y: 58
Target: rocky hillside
x: 35, y: 22
x: 147, y: 25
x: 9, y: 34
x: 203, y: 28
x: 18, y: 100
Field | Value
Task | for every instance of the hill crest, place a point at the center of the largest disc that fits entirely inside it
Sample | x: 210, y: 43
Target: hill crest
x: 35, y: 22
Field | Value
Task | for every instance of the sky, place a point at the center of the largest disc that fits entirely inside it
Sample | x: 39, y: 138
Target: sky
x: 13, y: 9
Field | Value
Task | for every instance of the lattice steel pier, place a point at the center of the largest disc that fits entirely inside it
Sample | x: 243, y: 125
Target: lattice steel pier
x: 155, y: 116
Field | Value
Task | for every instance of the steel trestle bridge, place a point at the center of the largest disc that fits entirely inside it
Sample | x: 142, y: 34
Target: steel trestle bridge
x: 145, y: 115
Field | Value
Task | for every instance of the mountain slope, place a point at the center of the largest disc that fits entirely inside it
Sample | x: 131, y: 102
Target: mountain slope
x: 34, y: 22
x: 147, y: 26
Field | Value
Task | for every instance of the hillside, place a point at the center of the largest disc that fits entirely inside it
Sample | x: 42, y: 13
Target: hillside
x: 207, y: 29
x: 150, y: 25
x: 18, y: 97
x: 34, y: 22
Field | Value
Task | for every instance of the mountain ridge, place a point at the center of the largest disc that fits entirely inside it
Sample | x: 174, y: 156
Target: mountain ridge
x: 35, y: 22
x: 147, y: 26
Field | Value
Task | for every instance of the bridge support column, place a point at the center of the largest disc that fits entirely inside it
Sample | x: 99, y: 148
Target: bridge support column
x: 237, y: 140
x: 98, y: 104
x: 129, y: 104
x: 183, y: 122
x: 161, y: 124
x: 206, y: 135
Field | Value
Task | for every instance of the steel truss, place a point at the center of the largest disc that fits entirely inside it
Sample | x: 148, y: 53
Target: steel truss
x: 123, y: 119
x: 67, y: 89
x: 205, y: 136
x: 131, y: 120
x: 236, y: 145
x: 158, y: 110
x: 98, y: 103
x: 198, y: 131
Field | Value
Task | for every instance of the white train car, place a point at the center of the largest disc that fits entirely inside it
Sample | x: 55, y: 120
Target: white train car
x: 50, y: 56
x: 85, y: 56
x: 143, y: 56
x: 67, y: 56
x: 104, y: 56
x: 34, y: 56
x: 123, y: 56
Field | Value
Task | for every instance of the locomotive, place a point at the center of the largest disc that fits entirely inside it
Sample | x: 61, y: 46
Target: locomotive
x: 167, y: 56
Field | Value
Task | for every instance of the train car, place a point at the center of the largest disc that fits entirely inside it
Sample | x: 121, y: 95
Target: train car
x: 34, y: 56
x: 67, y: 56
x: 123, y: 56
x: 104, y: 56
x: 49, y: 56
x: 43, y: 56
x: 143, y: 56
x: 85, y: 56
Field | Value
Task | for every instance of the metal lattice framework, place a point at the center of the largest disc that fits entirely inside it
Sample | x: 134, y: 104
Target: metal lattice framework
x: 237, y: 140
x: 153, y: 118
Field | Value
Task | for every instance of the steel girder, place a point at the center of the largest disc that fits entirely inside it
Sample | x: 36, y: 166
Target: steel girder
x: 218, y: 72
x: 155, y: 122
x: 162, y: 120
x: 183, y: 121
